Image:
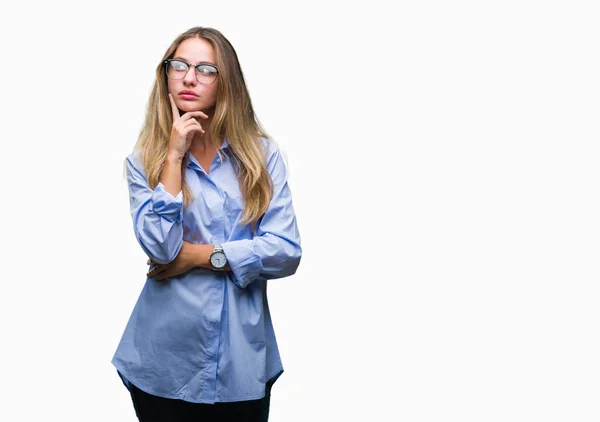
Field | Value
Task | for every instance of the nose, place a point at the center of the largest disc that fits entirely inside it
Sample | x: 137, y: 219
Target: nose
x: 190, y: 76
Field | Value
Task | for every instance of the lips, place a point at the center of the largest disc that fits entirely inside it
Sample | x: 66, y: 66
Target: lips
x: 188, y: 93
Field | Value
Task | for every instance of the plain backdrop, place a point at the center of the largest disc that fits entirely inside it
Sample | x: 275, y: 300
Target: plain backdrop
x: 444, y: 169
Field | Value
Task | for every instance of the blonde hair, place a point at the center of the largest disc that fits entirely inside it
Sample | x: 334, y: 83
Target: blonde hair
x: 233, y: 119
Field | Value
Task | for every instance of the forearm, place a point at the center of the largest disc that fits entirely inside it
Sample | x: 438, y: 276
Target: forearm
x: 201, y: 256
x: 170, y: 176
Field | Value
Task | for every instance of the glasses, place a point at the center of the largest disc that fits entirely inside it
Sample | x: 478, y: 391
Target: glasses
x: 206, y: 74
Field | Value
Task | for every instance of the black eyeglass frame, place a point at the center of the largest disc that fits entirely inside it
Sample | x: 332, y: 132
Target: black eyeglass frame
x: 168, y: 62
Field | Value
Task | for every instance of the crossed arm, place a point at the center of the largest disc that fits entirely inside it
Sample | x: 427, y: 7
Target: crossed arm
x: 190, y: 256
x: 274, y: 251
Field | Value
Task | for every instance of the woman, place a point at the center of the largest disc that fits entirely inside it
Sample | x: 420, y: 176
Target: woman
x: 212, y: 209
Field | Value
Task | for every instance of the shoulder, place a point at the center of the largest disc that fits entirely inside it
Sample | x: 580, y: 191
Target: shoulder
x: 134, y: 161
x: 275, y: 159
x: 271, y: 149
x: 269, y: 145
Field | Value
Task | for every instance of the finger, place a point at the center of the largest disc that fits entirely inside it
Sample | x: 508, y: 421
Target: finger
x: 192, y: 122
x: 157, y: 269
x: 190, y: 114
x: 193, y: 125
x: 163, y: 275
x: 174, y: 108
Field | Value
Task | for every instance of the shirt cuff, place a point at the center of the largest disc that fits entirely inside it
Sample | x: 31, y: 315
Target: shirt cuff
x: 166, y: 205
x: 245, y: 264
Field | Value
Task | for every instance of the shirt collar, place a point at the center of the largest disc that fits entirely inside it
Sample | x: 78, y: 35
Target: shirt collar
x: 194, y: 163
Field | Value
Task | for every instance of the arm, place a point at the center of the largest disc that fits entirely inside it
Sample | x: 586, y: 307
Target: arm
x: 190, y: 256
x: 275, y: 251
x: 170, y: 177
x: 157, y: 215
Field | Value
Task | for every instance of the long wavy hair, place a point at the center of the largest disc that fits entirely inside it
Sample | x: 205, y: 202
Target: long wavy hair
x: 233, y: 119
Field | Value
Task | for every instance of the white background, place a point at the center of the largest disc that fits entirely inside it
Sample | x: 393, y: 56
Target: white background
x: 444, y: 170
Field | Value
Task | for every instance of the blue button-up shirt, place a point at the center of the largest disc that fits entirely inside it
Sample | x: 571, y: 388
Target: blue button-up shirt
x: 207, y: 336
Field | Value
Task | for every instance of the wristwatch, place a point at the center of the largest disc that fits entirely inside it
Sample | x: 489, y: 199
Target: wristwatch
x: 218, y: 260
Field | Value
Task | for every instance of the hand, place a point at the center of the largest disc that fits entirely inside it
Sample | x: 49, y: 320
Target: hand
x: 183, y: 130
x: 185, y: 261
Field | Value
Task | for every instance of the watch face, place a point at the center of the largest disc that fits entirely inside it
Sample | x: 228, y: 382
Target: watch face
x: 218, y: 259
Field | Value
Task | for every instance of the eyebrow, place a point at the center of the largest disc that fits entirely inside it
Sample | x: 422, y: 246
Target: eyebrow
x: 186, y: 60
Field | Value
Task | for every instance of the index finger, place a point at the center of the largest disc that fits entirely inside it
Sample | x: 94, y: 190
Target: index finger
x: 173, y: 108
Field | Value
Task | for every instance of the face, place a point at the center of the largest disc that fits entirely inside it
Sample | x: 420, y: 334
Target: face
x: 194, y: 51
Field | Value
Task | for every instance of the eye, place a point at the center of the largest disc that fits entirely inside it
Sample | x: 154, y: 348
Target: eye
x: 177, y: 65
x: 205, y: 69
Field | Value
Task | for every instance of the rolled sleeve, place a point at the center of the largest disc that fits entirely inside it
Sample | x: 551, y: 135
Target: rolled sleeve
x: 245, y: 264
x: 157, y: 215
x: 166, y: 205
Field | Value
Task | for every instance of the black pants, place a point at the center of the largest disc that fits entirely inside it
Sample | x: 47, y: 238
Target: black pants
x: 150, y: 408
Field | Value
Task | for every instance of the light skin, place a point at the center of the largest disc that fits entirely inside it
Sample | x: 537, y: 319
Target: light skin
x: 191, y: 120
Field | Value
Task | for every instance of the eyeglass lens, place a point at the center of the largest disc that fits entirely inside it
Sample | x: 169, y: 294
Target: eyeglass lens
x: 205, y: 74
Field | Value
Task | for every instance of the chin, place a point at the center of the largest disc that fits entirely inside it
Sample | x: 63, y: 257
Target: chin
x: 189, y: 106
